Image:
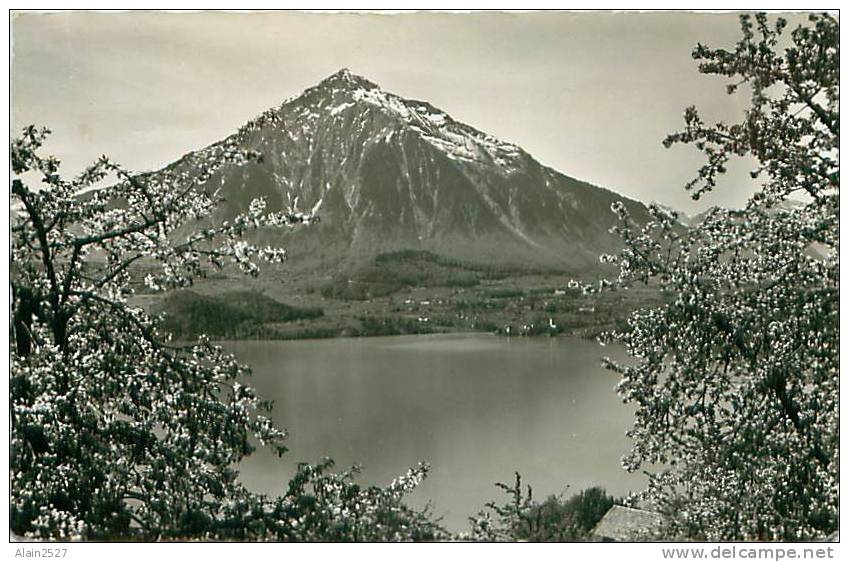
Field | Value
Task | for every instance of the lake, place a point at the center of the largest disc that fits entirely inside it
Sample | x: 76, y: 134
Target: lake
x: 477, y: 407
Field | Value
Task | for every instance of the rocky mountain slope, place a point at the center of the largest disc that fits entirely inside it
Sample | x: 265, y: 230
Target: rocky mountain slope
x: 394, y: 173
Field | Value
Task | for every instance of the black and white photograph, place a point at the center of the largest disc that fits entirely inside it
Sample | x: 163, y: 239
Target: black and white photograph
x: 371, y: 276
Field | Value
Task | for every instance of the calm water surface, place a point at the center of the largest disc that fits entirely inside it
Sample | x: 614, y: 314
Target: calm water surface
x: 477, y: 407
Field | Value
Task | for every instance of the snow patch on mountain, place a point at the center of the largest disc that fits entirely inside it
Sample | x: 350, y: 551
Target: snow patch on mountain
x: 340, y: 108
x: 454, y: 139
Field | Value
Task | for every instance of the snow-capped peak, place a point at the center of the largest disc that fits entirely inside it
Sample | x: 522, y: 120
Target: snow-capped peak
x: 457, y: 140
x: 344, y: 78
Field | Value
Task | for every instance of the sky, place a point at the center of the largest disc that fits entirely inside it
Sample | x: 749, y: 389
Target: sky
x: 589, y: 94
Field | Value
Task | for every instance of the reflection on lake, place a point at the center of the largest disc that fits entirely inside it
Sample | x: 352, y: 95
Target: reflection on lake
x: 477, y: 407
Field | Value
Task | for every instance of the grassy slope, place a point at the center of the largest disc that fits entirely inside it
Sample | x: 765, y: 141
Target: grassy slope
x: 404, y: 292
x: 233, y: 314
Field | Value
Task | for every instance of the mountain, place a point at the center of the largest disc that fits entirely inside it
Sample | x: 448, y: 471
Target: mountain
x: 394, y: 173
x: 690, y: 221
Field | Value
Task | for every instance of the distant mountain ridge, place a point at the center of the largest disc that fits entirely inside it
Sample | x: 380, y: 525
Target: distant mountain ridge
x: 695, y: 220
x: 394, y: 173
